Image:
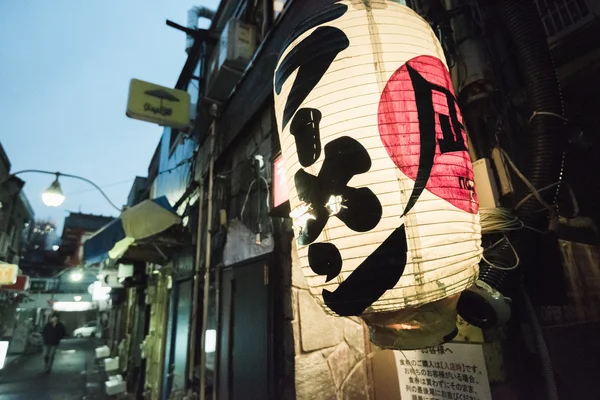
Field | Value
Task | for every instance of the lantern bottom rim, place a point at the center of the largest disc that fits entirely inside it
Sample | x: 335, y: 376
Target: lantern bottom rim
x: 420, y: 327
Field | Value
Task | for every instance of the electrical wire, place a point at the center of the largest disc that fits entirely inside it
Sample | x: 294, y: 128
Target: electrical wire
x: 498, y: 220
x: 496, y: 266
x: 248, y: 195
x: 534, y: 191
x: 108, y: 185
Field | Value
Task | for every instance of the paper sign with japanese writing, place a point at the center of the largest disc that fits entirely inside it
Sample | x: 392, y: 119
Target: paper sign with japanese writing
x: 452, y: 371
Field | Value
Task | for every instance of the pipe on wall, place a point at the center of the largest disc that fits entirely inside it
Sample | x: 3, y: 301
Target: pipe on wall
x: 548, y: 139
x: 194, y: 14
x: 194, y: 318
x: 207, y: 261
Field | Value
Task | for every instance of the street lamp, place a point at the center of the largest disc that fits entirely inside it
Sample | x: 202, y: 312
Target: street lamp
x: 53, y: 196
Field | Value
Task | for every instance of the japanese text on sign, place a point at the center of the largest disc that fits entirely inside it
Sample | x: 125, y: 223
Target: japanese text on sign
x: 452, y: 371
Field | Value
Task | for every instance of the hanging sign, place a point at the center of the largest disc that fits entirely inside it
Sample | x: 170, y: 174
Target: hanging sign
x: 450, y: 371
x: 8, y: 274
x: 38, y: 285
x: 158, y: 104
x: 21, y: 284
x: 380, y: 181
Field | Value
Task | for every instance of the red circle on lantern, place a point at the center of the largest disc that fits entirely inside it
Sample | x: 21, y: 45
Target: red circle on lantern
x: 400, y: 128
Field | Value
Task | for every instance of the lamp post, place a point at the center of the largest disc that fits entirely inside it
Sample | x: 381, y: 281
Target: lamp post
x: 53, y: 196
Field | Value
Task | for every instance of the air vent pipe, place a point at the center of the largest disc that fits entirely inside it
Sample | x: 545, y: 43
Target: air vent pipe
x: 194, y: 14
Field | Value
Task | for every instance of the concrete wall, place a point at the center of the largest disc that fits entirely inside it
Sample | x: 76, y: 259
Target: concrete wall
x: 330, y: 360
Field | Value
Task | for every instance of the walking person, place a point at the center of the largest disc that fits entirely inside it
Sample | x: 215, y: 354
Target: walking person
x: 53, y: 333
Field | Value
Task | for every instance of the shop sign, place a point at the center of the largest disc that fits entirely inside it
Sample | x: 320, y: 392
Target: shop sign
x: 158, y: 104
x: 38, y: 285
x: 20, y: 285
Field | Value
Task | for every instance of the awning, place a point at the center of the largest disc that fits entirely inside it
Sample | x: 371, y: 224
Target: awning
x: 146, y: 219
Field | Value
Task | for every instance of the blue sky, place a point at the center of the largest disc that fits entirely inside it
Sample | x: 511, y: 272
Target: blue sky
x: 65, y: 67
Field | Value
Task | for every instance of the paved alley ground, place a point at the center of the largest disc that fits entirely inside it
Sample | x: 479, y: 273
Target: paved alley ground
x: 24, y: 380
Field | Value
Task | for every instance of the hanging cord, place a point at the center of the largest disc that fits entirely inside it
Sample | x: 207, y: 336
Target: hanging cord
x: 493, y: 265
x: 536, y: 192
x: 248, y: 195
x: 518, y: 172
x: 547, y: 113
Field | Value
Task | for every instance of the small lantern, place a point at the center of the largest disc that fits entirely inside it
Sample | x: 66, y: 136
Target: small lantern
x: 380, y: 181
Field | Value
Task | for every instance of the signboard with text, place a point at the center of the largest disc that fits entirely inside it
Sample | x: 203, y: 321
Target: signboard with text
x: 38, y: 285
x: 450, y: 371
x: 158, y: 104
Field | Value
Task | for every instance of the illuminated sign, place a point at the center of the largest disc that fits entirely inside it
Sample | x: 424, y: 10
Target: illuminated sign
x: 280, y: 191
x: 68, y: 306
x: 158, y: 104
x: 8, y: 274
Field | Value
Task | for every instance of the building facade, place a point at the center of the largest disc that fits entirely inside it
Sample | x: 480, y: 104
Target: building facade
x: 15, y: 212
x: 226, y: 313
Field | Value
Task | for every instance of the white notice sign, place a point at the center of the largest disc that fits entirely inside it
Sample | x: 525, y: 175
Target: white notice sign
x: 451, y: 371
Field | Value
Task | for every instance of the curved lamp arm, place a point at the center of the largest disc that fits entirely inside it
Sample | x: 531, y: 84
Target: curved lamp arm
x: 59, y: 174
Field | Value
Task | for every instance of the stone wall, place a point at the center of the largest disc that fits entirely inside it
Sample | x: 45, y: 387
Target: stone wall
x: 330, y: 360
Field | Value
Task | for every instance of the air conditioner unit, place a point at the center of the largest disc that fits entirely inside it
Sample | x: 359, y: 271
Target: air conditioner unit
x: 230, y: 58
x: 4, y: 244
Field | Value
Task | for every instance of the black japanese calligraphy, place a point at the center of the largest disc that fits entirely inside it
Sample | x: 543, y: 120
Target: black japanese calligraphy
x: 442, y: 153
x: 452, y: 139
x: 325, y: 259
x: 305, y: 129
x: 312, y: 58
x: 379, y: 272
x: 344, y: 158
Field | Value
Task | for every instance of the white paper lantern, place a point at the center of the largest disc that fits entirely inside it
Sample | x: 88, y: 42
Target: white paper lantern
x: 381, y: 184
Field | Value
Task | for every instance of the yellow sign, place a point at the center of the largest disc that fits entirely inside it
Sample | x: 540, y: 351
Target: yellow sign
x: 158, y: 104
x: 8, y: 274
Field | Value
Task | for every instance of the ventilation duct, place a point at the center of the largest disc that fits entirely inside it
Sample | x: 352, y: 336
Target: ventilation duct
x: 194, y: 14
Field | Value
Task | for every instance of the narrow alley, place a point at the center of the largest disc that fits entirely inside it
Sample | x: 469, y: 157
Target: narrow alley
x: 69, y: 380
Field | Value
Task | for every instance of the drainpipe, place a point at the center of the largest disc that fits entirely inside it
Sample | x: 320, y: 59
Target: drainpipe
x: 194, y: 14
x: 207, y: 261
x: 192, y: 339
x: 548, y: 139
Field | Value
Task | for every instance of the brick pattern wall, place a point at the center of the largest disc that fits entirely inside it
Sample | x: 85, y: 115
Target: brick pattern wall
x: 330, y: 361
